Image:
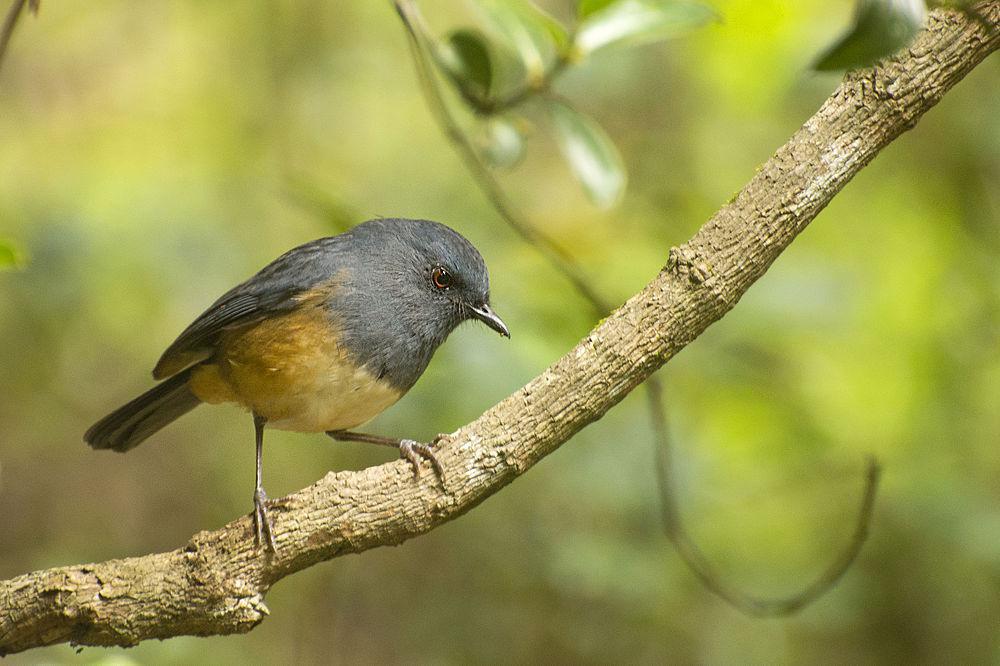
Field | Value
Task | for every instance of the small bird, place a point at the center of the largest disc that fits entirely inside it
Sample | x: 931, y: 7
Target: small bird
x: 322, y: 339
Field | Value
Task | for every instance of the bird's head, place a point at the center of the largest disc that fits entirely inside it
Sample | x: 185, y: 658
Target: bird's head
x: 416, y: 281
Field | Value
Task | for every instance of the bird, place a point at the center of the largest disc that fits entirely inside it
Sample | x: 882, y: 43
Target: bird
x: 321, y: 340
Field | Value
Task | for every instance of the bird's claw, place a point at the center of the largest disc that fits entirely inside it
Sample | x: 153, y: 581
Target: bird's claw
x: 264, y: 533
x: 413, y: 451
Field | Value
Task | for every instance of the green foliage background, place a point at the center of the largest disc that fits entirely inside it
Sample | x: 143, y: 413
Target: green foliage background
x: 153, y: 154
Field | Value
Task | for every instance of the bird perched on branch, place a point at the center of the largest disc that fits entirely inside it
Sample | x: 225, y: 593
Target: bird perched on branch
x: 323, y: 339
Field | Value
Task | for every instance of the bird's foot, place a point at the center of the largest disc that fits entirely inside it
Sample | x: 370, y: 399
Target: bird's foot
x: 264, y: 533
x: 413, y: 451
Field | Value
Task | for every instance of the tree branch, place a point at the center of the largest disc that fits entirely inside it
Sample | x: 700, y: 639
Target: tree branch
x: 216, y: 583
x: 421, y: 45
x: 10, y: 22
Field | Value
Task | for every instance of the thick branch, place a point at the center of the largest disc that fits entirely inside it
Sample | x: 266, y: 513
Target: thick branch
x: 216, y: 583
x: 421, y: 45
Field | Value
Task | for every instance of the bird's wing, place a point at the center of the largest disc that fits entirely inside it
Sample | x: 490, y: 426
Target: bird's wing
x: 278, y: 288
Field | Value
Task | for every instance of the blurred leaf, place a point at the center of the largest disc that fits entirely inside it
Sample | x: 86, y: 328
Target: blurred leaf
x: 466, y: 58
x: 640, y: 21
x: 321, y: 201
x: 536, y: 36
x: 587, y: 7
x: 501, y: 142
x: 881, y: 27
x: 591, y: 154
x: 11, y: 256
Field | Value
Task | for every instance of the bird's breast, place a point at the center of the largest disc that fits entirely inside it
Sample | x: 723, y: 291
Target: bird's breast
x: 294, y: 371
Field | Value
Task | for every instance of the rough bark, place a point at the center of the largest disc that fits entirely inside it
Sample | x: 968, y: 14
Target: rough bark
x: 216, y: 583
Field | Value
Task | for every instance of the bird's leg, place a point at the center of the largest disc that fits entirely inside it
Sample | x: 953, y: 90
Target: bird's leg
x: 410, y: 449
x: 262, y: 524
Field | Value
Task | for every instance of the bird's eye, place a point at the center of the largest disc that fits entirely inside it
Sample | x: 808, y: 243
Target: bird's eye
x: 441, y: 277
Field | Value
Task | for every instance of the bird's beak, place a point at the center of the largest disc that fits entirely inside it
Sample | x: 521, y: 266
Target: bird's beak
x: 485, y: 314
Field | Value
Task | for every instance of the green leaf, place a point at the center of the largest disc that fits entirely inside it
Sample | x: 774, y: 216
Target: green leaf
x: 881, y: 27
x: 11, y: 256
x: 587, y: 7
x: 501, y: 142
x: 536, y: 36
x: 640, y: 21
x: 467, y: 60
x: 592, y: 156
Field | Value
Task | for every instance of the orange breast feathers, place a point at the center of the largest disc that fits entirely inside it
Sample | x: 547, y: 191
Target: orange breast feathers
x: 292, y: 370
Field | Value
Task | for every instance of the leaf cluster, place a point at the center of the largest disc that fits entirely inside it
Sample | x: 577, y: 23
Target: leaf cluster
x: 520, y: 50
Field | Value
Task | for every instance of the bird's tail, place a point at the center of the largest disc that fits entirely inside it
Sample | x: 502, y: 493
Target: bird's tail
x: 132, y: 423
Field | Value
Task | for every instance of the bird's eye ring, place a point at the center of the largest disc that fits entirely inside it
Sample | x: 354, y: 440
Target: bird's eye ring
x: 441, y: 277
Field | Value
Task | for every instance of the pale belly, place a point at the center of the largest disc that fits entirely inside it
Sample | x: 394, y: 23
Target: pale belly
x: 293, y: 373
x: 339, y: 401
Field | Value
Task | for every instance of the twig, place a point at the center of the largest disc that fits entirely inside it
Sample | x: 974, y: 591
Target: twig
x: 492, y: 106
x: 693, y: 556
x: 565, y: 264
x: 10, y: 22
x: 550, y: 249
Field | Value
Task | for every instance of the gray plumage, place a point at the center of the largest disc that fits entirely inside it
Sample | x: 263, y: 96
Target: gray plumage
x: 389, y: 315
x: 135, y: 421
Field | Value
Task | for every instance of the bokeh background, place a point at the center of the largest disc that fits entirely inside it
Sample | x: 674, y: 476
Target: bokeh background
x: 154, y: 154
